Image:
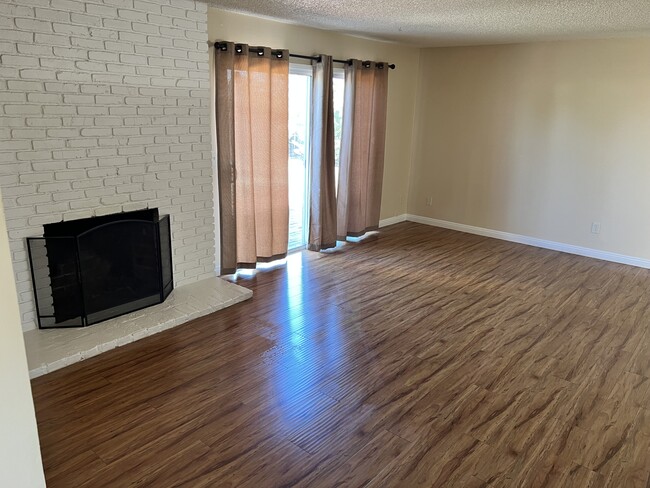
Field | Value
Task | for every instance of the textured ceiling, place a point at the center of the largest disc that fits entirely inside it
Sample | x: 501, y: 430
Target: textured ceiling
x: 458, y: 22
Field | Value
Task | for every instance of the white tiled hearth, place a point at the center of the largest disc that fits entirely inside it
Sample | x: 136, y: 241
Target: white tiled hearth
x: 52, y: 349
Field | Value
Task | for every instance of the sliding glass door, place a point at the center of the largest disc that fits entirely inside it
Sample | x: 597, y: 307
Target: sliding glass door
x: 299, y: 115
x: 338, y: 87
x: 300, y: 81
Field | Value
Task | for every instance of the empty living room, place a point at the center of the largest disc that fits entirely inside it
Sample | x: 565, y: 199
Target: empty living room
x: 298, y: 243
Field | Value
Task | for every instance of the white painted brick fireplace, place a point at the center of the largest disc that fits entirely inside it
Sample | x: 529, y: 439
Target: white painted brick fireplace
x: 105, y: 108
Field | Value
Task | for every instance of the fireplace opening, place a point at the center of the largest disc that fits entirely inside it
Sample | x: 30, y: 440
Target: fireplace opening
x: 90, y: 270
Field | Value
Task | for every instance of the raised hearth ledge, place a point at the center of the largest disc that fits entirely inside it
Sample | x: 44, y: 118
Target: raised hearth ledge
x: 52, y: 349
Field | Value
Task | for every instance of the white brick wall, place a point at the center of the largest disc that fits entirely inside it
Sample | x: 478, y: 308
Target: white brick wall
x: 104, y: 107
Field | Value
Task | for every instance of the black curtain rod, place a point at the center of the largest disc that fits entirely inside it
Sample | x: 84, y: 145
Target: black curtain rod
x: 260, y: 51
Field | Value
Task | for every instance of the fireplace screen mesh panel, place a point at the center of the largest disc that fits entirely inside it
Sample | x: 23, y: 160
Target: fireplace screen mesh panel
x: 109, y: 266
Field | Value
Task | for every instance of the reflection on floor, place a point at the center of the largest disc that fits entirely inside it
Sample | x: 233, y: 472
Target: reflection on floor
x: 418, y: 357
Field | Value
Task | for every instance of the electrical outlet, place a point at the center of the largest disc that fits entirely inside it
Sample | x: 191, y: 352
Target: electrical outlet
x: 595, y: 227
x: 429, y: 201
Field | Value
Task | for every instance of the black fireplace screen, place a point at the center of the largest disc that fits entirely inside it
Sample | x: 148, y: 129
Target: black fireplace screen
x: 90, y: 270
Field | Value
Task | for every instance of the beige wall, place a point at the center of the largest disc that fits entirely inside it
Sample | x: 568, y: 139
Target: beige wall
x: 538, y: 139
x: 20, y: 457
x: 229, y: 26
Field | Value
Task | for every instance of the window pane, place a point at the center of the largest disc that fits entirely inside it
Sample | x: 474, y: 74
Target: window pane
x: 299, y: 103
x: 339, y: 89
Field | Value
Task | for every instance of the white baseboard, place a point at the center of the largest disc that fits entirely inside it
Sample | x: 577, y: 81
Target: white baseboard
x: 533, y: 241
x: 392, y: 220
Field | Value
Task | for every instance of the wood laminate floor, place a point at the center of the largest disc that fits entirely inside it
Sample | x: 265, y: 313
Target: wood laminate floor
x: 421, y: 357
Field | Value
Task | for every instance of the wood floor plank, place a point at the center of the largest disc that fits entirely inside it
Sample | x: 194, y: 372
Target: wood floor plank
x: 356, y: 469
x: 417, y: 357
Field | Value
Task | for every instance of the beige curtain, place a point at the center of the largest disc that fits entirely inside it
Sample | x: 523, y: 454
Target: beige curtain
x: 361, y: 166
x: 322, y: 214
x: 252, y: 154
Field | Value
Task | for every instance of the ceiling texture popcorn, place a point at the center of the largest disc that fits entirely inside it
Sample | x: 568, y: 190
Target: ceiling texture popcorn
x: 459, y: 22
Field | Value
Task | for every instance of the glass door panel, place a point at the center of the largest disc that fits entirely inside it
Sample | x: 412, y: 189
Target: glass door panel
x: 299, y: 111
